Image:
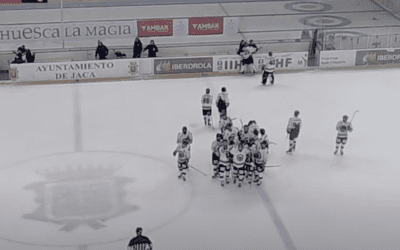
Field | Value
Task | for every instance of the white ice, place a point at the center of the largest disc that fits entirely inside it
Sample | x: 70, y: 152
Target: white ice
x: 319, y: 200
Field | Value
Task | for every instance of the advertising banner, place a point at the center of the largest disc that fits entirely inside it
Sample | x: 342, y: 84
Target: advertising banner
x: 99, y: 30
x: 206, y: 25
x: 155, y: 27
x: 35, y: 32
x: 335, y: 59
x: 183, y: 65
x: 59, y: 71
x: 377, y: 57
x: 35, y: 36
x: 290, y: 61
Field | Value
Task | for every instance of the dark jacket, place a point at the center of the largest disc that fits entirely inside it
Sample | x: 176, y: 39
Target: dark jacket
x: 30, y: 58
x: 152, y: 50
x: 18, y: 59
x: 241, y: 46
x: 137, y: 49
x: 102, y: 51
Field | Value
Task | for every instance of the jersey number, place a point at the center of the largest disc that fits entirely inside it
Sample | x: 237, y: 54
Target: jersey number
x: 271, y: 62
x: 206, y: 100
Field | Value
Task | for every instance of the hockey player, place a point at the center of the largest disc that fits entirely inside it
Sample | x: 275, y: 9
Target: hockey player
x: 268, y: 69
x: 215, y: 153
x: 183, y: 151
x: 342, y: 127
x: 260, y: 157
x: 206, y: 101
x: 224, y: 166
x: 253, y: 129
x: 222, y: 102
x: 225, y: 120
x: 238, y: 154
x: 263, y: 136
x: 185, y: 135
x: 293, y: 129
x: 249, y: 163
x: 248, y: 61
x: 244, y: 134
x: 230, y: 134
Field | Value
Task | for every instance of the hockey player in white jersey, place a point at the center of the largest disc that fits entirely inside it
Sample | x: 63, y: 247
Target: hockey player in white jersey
x: 206, y: 102
x: 222, y: 102
x: 238, y: 154
x: 215, y: 153
x: 249, y: 163
x: 225, y: 120
x: 185, y: 135
x: 260, y: 157
x: 244, y: 134
x: 342, y: 127
x: 252, y: 128
x: 183, y: 151
x: 293, y: 129
x: 263, y: 136
x: 231, y: 134
x: 269, y: 69
x: 224, y: 165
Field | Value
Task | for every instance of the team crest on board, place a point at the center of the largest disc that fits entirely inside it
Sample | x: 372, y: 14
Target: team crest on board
x: 13, y: 72
x: 133, y: 68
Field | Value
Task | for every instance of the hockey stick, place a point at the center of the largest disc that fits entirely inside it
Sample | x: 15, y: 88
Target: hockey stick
x: 241, y: 123
x: 273, y: 143
x: 354, y: 115
x: 272, y: 166
x: 197, y: 170
x: 234, y: 118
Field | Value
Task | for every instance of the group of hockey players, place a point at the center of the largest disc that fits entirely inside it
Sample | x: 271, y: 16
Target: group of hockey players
x: 239, y: 154
x: 242, y: 154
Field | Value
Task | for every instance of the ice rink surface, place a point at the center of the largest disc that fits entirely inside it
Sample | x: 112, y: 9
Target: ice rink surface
x: 83, y: 165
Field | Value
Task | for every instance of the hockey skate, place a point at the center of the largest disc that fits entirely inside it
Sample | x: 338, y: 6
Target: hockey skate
x: 289, y: 151
x: 183, y: 178
x: 259, y: 184
x: 234, y: 181
x: 222, y: 183
x: 179, y: 176
x: 341, y: 152
x: 227, y: 181
x: 240, y: 184
x: 335, y: 152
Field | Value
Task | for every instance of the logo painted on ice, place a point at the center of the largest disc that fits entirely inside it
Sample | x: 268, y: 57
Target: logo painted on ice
x: 79, y: 196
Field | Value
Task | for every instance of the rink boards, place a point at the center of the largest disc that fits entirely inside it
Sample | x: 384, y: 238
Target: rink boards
x: 148, y: 68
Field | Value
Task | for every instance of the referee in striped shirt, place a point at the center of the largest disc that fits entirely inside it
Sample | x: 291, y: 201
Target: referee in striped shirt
x: 140, y: 242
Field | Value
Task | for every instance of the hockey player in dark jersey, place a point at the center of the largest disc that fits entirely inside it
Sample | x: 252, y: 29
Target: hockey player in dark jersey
x: 293, y: 129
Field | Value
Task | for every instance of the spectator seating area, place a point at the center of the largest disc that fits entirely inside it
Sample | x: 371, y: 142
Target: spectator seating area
x: 271, y: 24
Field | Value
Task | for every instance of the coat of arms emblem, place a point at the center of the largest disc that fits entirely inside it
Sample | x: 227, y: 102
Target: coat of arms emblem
x: 134, y: 68
x: 13, y: 73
